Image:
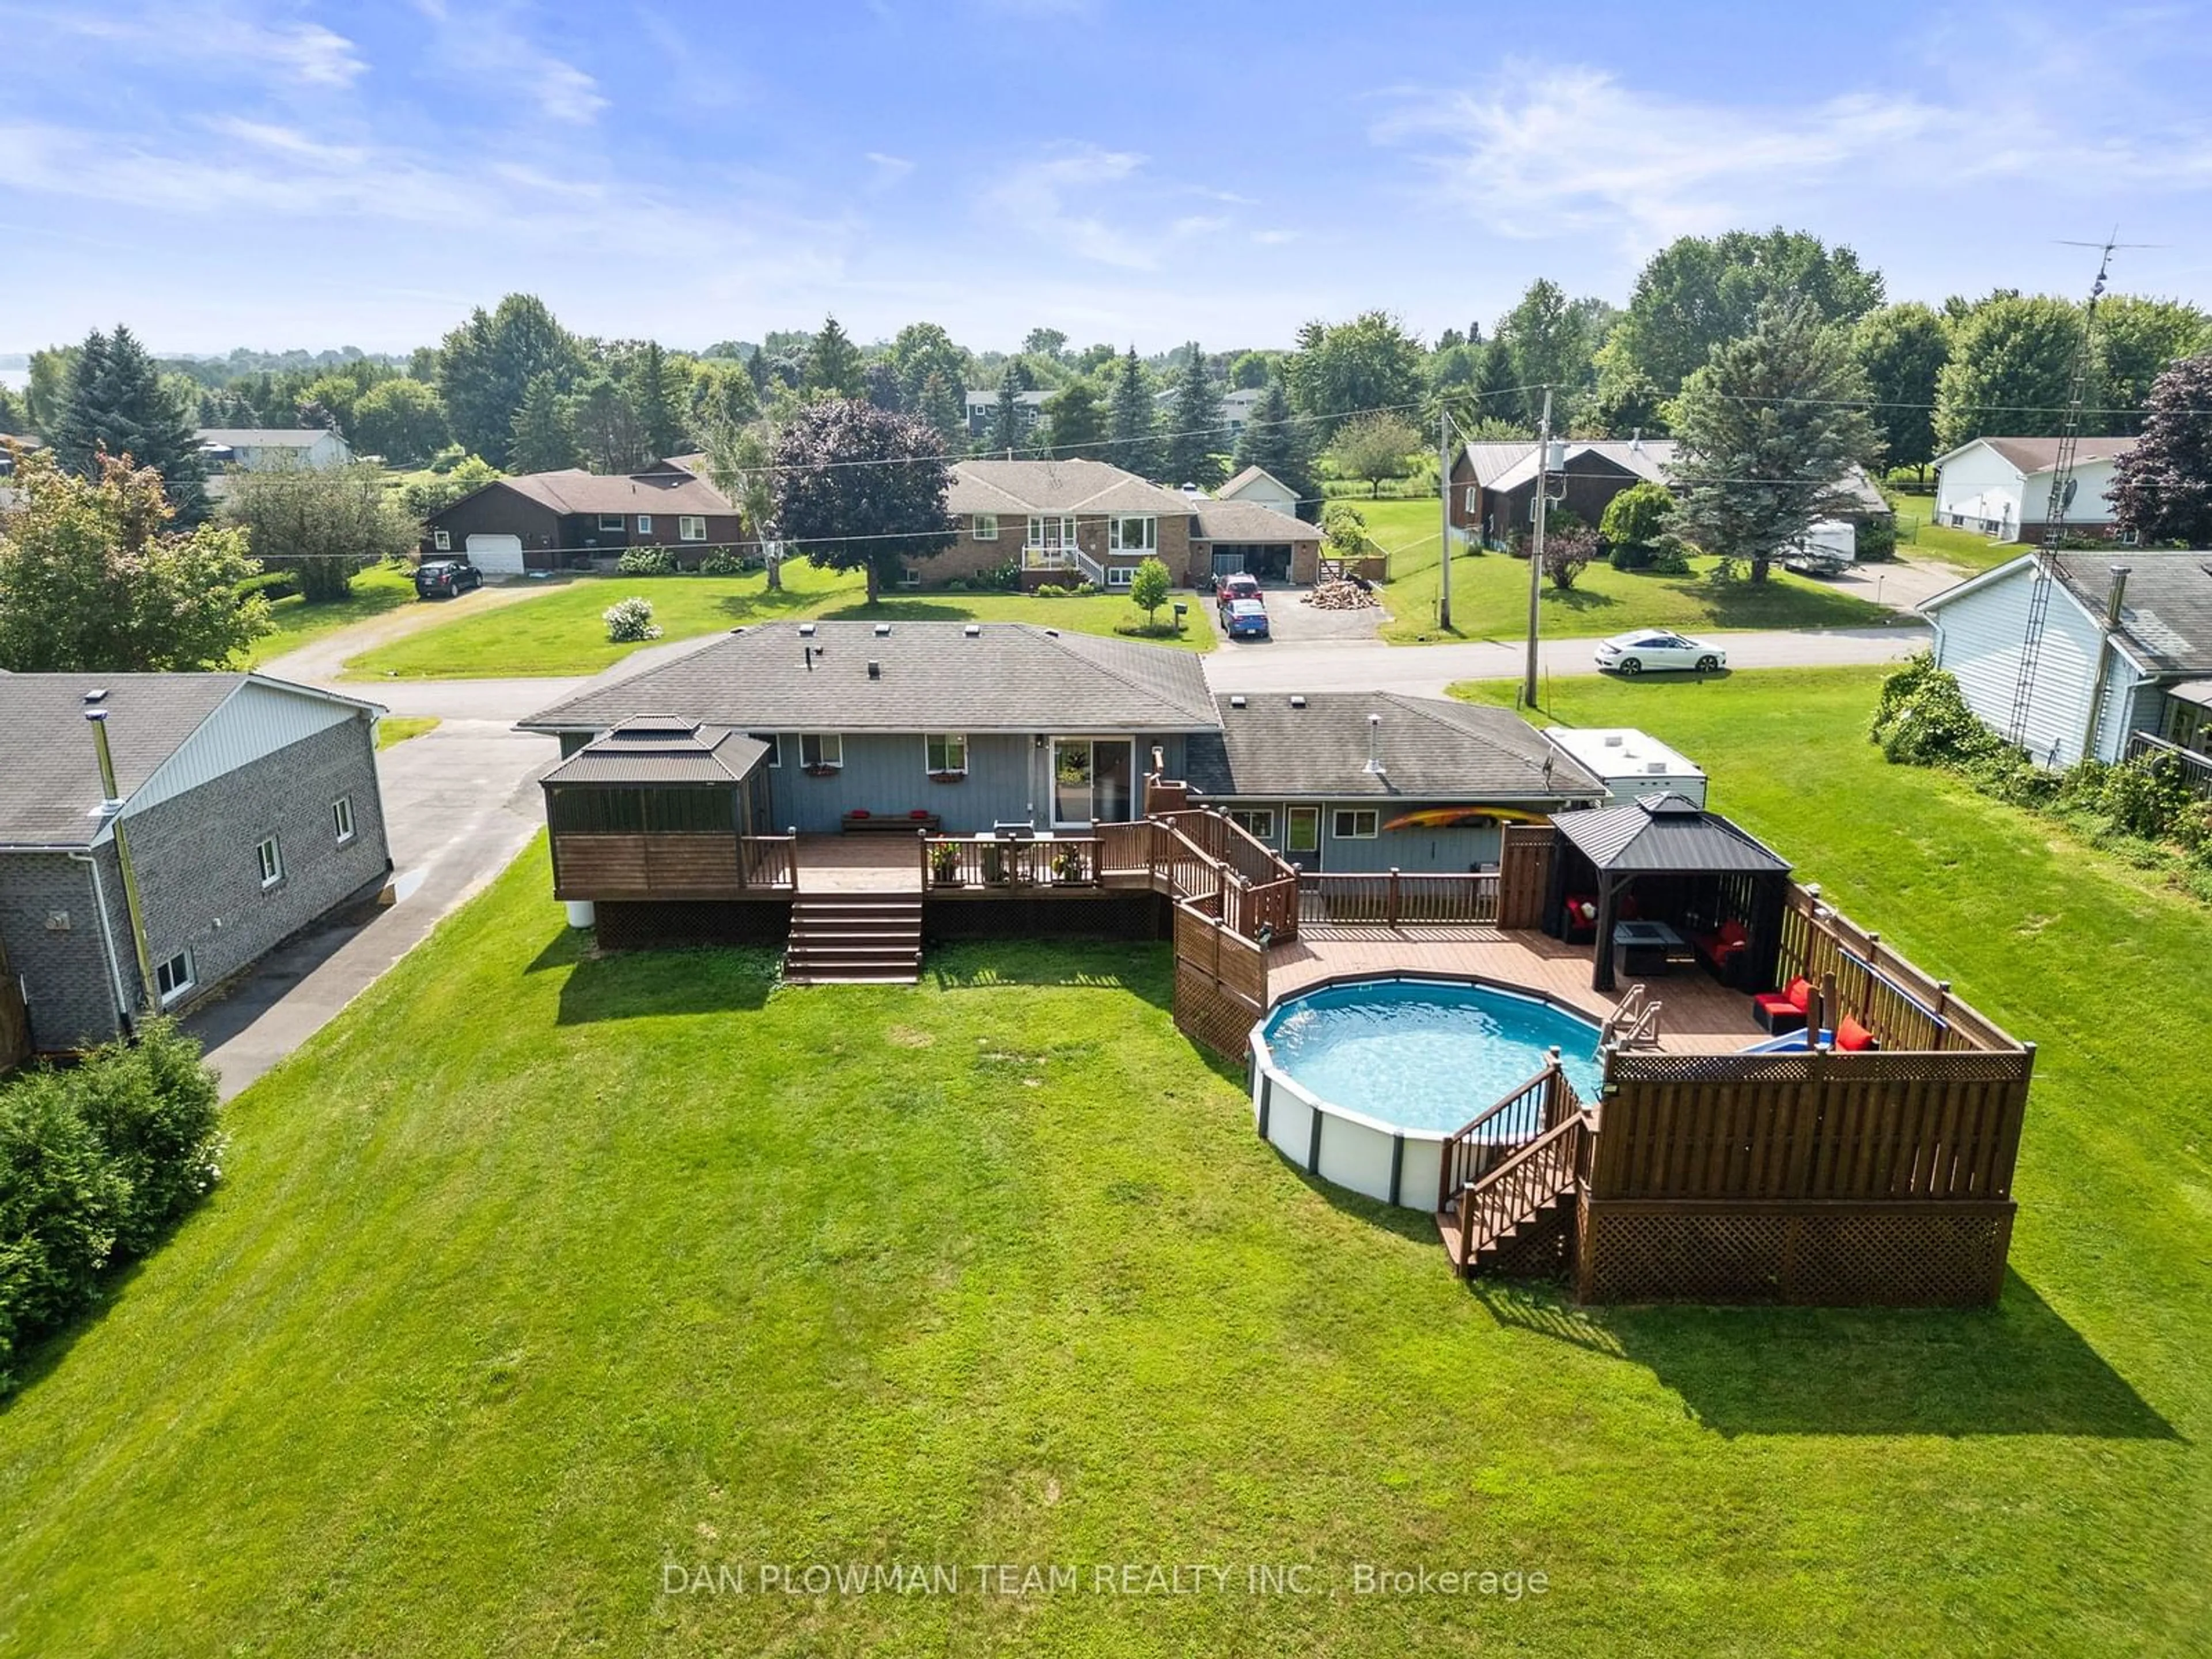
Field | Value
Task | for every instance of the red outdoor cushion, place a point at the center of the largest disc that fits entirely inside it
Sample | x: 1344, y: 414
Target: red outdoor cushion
x: 1733, y: 938
x: 1773, y: 1002
x: 1799, y: 993
x: 1852, y: 1036
x: 919, y: 813
x: 1581, y: 908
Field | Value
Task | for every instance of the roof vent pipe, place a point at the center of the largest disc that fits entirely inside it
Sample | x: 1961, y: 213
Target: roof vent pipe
x: 2116, y: 595
x: 1374, y: 734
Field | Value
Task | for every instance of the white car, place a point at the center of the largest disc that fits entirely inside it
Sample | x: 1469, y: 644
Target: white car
x: 1655, y: 648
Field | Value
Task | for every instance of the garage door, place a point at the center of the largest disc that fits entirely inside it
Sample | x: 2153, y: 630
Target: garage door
x: 497, y: 555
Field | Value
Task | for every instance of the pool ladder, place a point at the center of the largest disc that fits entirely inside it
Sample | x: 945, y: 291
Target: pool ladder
x: 1633, y: 1025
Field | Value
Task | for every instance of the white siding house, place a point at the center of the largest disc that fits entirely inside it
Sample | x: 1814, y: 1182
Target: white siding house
x: 2001, y: 486
x: 1257, y: 484
x: 2098, y: 689
x: 253, y: 449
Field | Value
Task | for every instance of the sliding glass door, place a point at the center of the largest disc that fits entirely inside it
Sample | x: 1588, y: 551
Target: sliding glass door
x: 1093, y: 780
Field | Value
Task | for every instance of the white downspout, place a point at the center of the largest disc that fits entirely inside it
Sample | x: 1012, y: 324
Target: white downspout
x: 107, y: 937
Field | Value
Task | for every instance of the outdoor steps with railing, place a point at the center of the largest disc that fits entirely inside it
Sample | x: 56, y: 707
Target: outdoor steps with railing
x: 854, y: 938
x: 1484, y: 1208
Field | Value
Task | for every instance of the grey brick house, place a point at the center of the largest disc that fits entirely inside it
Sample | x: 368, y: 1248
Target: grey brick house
x: 250, y: 807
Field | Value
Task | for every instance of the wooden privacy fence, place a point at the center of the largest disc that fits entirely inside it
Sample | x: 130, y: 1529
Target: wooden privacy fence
x: 1524, y: 873
x: 1900, y: 1004
x: 1221, y: 983
x: 1392, y: 899
x: 1811, y: 1126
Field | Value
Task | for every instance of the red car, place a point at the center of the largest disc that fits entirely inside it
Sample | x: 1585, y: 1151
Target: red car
x: 1238, y: 586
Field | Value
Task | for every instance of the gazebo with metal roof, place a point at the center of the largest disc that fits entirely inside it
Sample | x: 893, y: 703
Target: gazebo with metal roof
x: 1691, y: 868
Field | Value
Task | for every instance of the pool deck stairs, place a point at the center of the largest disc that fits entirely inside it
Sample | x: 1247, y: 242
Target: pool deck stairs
x: 1516, y: 1217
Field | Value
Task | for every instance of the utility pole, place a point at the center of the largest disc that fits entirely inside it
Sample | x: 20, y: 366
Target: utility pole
x: 1443, y: 494
x: 1536, y: 549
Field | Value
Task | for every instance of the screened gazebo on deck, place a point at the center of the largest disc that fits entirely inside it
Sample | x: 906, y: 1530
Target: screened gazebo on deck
x: 1715, y: 892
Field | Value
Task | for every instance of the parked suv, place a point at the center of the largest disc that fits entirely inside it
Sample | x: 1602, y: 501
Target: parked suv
x: 1240, y: 586
x: 442, y: 578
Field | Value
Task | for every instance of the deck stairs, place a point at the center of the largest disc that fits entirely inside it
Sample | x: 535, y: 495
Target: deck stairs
x: 855, y: 938
x: 1521, y: 1203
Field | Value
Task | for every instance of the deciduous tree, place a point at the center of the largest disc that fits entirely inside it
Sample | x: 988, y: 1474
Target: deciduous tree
x: 2162, y: 490
x: 2010, y: 370
x: 402, y: 419
x: 1375, y: 447
x: 1148, y: 587
x: 425, y: 498
x: 1902, y: 348
x: 2138, y: 340
x: 858, y: 487
x: 1769, y: 430
x: 486, y: 365
x: 325, y: 525
x: 1343, y: 370
x: 741, y: 463
x: 92, y: 581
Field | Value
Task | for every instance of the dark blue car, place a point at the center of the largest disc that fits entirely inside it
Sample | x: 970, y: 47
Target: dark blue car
x: 1244, y: 619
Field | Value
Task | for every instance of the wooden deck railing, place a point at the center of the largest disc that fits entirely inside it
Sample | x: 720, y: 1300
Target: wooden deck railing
x: 1392, y: 899
x: 672, y: 864
x: 1900, y: 1004
x: 1468, y: 1153
x: 1517, y: 1189
x: 949, y: 862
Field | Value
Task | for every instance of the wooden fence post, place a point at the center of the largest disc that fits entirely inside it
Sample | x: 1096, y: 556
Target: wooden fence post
x: 1390, y: 899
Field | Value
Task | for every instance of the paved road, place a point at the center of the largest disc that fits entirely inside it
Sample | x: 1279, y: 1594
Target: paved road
x: 1425, y: 670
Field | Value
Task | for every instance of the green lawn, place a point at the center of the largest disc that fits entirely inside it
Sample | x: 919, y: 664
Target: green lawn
x: 534, y: 1273
x: 382, y: 587
x: 397, y: 728
x: 560, y: 633
x: 1919, y: 535
x: 1490, y: 593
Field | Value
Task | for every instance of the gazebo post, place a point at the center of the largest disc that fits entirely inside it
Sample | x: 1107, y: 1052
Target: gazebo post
x: 1609, y: 893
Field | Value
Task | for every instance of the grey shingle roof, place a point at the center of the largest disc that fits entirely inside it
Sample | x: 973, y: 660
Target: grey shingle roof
x: 2040, y: 454
x: 1250, y: 521
x: 575, y: 490
x: 2166, y: 614
x: 651, y: 750
x: 1068, y: 486
x: 1430, y: 749
x: 49, y: 772
x: 1666, y: 833
x: 257, y: 437
x: 934, y: 676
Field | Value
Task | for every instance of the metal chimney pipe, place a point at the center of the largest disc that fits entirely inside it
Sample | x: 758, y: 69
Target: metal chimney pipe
x: 1374, y: 731
x: 110, y: 808
x: 2116, y: 595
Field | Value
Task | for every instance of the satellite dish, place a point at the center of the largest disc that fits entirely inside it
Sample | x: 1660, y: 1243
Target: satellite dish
x: 2066, y: 496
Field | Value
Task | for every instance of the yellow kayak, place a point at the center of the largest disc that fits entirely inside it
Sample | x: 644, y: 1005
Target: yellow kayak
x: 1454, y: 817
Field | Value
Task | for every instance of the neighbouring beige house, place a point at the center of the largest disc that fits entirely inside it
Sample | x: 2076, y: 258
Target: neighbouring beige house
x: 1060, y: 522
x: 1257, y: 484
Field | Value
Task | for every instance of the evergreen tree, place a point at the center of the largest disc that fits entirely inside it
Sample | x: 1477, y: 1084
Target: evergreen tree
x: 1769, y: 428
x: 660, y: 391
x: 486, y: 366
x: 115, y: 401
x: 1006, y: 431
x: 545, y: 436
x: 1130, y: 444
x: 1078, y: 429
x: 832, y: 363
x: 15, y: 419
x: 1274, y: 440
x: 1195, y: 431
x: 607, y: 426
x: 939, y: 402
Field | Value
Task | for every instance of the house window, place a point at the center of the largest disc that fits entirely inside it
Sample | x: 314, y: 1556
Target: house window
x: 1133, y: 534
x: 1359, y: 823
x: 691, y: 527
x: 948, y: 754
x: 1119, y: 575
x: 341, y: 819
x: 2126, y: 538
x: 1473, y: 500
x: 908, y: 576
x: 821, y: 752
x: 442, y: 540
x: 271, y: 860
x: 1257, y: 822
x: 1053, y: 535
x: 174, y: 978
x: 1304, y: 828
x: 645, y: 524
x: 775, y: 746
x: 610, y: 524
x: 984, y: 526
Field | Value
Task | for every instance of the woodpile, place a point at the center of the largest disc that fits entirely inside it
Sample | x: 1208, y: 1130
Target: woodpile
x: 1342, y: 596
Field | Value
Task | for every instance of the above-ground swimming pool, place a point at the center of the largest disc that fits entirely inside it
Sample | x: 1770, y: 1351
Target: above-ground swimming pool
x: 1360, y: 1081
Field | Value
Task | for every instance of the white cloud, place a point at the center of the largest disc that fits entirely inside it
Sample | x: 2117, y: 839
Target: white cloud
x: 1038, y: 197
x: 208, y: 32
x: 891, y: 171
x: 1574, y: 148
x: 490, y: 45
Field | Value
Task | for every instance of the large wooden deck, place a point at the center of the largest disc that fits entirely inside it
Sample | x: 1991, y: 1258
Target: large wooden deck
x: 1699, y: 1015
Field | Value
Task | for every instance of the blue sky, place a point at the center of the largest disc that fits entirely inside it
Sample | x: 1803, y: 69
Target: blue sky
x: 218, y: 172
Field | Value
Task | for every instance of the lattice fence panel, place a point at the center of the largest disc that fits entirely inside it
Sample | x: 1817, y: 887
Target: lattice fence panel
x: 1211, y: 1015
x: 1683, y: 1258
x: 1896, y: 1257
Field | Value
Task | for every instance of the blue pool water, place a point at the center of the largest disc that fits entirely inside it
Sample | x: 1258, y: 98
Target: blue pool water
x: 1425, y: 1056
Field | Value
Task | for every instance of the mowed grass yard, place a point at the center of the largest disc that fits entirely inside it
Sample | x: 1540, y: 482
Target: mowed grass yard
x: 1919, y: 535
x: 1490, y: 593
x: 535, y: 1273
x: 376, y: 591
x: 561, y: 632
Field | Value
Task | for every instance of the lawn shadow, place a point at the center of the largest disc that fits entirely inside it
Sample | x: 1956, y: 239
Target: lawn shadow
x: 763, y: 606
x: 1096, y: 965
x: 1579, y: 599
x: 640, y: 984
x: 2018, y: 1368
x: 1775, y: 604
x: 901, y: 611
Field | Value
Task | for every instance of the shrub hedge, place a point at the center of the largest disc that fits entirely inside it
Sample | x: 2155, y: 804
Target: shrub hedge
x: 97, y: 1163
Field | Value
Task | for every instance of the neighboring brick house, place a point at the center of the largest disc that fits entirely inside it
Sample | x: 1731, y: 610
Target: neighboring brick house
x: 251, y: 807
x: 556, y: 520
x: 1060, y: 522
